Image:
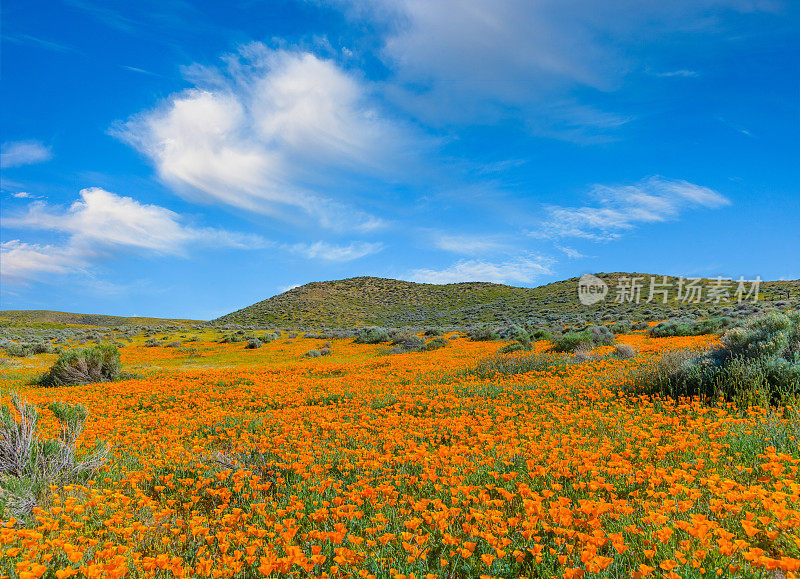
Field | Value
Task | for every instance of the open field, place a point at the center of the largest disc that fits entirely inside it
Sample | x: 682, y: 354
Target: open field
x: 235, y: 462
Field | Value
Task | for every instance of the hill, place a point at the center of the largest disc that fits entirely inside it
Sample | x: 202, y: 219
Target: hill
x: 49, y: 318
x: 363, y: 301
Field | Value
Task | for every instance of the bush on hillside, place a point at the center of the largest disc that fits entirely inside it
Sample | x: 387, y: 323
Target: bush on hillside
x: 253, y: 343
x: 99, y: 363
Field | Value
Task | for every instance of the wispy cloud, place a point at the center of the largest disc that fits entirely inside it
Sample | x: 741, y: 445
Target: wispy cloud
x: 571, y: 252
x: 139, y: 70
x: 23, y: 262
x: 19, y: 153
x: 524, y: 269
x: 678, y: 73
x: 469, y: 244
x: 331, y: 252
x: 476, y: 60
x: 621, y: 208
x: 273, y: 133
x: 101, y: 224
x: 29, y: 40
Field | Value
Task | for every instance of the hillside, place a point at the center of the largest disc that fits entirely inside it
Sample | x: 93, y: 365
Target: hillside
x: 48, y: 318
x: 387, y: 302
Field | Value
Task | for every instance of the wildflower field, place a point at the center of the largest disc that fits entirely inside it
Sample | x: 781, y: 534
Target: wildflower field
x: 236, y: 462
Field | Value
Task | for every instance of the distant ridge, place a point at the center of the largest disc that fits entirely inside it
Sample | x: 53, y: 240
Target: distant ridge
x: 53, y: 318
x: 360, y: 301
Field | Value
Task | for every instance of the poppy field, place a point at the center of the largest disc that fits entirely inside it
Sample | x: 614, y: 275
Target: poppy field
x: 237, y: 463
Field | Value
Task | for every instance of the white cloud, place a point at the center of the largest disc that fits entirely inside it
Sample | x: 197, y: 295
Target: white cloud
x: 21, y: 262
x: 524, y: 269
x: 330, y: 252
x: 473, y: 60
x: 678, y: 73
x: 468, y: 244
x: 269, y: 132
x: 19, y: 153
x: 101, y: 223
x: 621, y: 208
x: 571, y: 252
x: 22, y: 195
x: 102, y: 218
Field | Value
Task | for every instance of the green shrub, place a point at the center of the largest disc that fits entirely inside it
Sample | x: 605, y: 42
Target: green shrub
x: 484, y: 334
x: 624, y: 351
x: 757, y: 364
x: 573, y: 341
x: 30, y: 465
x: 437, y: 343
x: 17, y: 350
x: 372, y: 335
x: 512, y: 347
x: 407, y: 342
x: 253, y: 343
x: 99, y: 363
x: 601, y: 336
x: 506, y: 365
x: 542, y: 334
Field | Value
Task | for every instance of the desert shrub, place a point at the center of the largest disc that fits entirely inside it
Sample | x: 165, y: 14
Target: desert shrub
x: 601, y: 335
x: 253, y: 343
x: 756, y: 364
x: 483, y: 334
x: 512, y: 347
x: 99, y: 363
x: 269, y: 337
x: 31, y: 465
x: 436, y: 343
x: 638, y: 326
x: 573, y: 341
x: 433, y: 332
x: 687, y: 327
x: 316, y: 353
x: 541, y: 334
x: 406, y: 342
x: 152, y: 343
x: 41, y: 348
x: 620, y: 327
x: 623, y: 351
x: 371, y: 335
x: 507, y: 365
x: 172, y: 345
x: 17, y: 349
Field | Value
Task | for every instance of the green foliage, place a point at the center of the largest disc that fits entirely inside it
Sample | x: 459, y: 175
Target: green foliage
x: 30, y: 465
x: 484, y: 334
x: 512, y: 347
x: 687, y: 327
x: 573, y: 341
x: 253, y: 343
x: 99, y: 363
x: 507, y: 365
x: 371, y: 335
x: 437, y: 343
x: 757, y: 364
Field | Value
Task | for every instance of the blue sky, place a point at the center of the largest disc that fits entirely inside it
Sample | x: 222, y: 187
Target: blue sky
x: 185, y: 159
